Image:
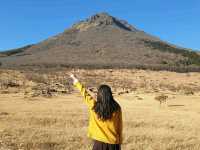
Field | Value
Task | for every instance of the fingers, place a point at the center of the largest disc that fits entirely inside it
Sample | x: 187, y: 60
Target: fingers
x: 72, y: 75
x: 75, y: 80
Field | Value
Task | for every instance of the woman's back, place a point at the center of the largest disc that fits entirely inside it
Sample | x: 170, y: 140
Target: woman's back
x: 108, y: 131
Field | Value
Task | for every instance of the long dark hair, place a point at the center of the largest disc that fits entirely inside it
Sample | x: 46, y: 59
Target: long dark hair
x: 105, y: 104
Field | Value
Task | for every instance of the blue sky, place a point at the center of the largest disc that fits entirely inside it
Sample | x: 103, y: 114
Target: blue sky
x: 25, y: 22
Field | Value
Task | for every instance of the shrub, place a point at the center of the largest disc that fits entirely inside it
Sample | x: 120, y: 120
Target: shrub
x: 38, y: 78
x: 161, y: 98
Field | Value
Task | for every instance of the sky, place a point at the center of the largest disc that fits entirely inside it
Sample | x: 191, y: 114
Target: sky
x: 24, y: 22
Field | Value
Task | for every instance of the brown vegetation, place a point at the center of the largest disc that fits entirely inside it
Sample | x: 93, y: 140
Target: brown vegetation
x: 122, y: 81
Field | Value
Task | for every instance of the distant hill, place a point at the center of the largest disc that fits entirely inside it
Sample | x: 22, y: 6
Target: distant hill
x: 14, y: 51
x: 102, y: 41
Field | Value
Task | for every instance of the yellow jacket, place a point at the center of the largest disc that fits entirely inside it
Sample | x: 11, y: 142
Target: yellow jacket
x: 109, y: 131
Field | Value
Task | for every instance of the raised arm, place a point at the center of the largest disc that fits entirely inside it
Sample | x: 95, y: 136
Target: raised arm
x: 87, y: 97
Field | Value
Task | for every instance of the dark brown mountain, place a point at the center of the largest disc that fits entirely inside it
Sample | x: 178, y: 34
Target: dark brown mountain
x: 102, y: 41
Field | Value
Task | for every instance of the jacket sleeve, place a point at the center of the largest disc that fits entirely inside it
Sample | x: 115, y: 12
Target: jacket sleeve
x: 87, y: 97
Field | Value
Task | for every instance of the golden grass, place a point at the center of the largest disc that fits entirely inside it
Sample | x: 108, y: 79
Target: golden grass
x: 61, y: 123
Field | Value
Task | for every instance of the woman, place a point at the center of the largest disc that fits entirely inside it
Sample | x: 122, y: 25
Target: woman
x: 105, y: 120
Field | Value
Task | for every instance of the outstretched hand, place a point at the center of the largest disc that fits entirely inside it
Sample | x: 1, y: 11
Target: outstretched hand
x: 75, y: 80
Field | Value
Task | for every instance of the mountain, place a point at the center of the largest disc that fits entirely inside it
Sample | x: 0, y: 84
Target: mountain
x: 101, y: 41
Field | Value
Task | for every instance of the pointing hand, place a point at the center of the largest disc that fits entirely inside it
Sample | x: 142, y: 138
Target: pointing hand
x: 75, y: 80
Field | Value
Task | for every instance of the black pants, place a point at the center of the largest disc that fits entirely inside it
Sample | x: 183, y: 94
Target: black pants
x: 105, y: 146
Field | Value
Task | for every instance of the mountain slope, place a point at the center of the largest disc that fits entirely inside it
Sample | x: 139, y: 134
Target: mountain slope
x: 102, y: 41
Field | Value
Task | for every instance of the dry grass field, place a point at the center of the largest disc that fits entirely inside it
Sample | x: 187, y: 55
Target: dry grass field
x: 60, y: 122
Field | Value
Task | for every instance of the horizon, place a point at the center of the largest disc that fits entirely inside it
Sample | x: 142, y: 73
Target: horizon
x: 30, y: 22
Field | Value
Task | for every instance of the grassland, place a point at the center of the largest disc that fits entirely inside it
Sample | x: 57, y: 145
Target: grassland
x: 60, y: 122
